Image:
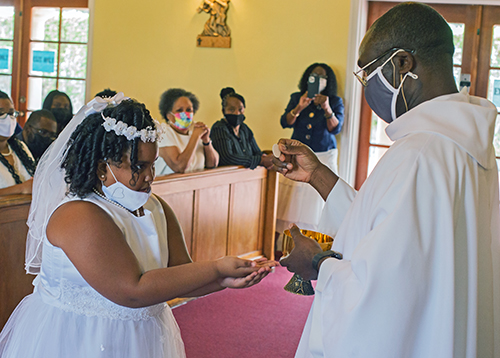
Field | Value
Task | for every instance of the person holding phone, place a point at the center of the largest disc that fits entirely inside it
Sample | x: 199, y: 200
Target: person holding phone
x: 316, y: 115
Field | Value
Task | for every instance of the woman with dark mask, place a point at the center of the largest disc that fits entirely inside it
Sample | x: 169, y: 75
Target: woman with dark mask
x: 60, y: 105
x: 232, y: 138
x: 39, y: 131
x: 16, y: 163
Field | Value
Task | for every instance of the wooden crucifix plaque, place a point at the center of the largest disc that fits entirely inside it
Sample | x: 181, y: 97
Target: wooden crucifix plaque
x: 213, y: 41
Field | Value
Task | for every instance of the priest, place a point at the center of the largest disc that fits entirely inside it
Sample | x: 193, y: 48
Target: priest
x: 419, y: 274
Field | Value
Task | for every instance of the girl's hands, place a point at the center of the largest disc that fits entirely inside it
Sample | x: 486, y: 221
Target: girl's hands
x: 262, y: 267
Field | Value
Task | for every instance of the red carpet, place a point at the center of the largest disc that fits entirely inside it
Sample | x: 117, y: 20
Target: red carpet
x: 261, y: 321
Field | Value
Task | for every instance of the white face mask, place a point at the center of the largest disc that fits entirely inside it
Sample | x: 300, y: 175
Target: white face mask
x: 7, y: 126
x: 381, y: 96
x: 322, y: 84
x: 125, y: 196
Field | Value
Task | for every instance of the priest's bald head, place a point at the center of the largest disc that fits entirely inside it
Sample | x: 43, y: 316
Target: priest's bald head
x: 408, y: 54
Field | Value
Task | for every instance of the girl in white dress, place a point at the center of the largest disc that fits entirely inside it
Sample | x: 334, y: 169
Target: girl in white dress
x: 108, y: 254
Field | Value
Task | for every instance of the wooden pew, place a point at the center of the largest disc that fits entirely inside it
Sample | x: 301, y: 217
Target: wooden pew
x: 14, y: 282
x: 222, y: 211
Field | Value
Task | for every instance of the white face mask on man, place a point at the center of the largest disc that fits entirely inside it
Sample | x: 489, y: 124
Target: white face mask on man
x: 126, y: 197
x: 7, y: 125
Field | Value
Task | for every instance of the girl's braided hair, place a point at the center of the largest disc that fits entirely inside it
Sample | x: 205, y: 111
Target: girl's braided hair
x: 90, y: 144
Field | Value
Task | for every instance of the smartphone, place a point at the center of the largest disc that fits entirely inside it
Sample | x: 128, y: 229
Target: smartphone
x: 312, y: 86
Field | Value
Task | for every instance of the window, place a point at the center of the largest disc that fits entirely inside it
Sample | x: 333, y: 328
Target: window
x: 6, y: 47
x: 488, y: 80
x: 58, y: 54
x: 43, y: 46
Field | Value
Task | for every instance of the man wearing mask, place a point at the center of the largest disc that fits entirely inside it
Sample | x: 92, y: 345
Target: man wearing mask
x: 39, y: 132
x: 420, y: 274
x: 60, y: 105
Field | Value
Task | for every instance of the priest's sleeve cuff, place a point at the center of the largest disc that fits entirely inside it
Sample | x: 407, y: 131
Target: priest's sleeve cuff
x: 338, y: 202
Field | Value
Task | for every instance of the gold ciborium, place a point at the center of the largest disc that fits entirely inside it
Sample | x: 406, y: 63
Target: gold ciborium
x: 297, y: 284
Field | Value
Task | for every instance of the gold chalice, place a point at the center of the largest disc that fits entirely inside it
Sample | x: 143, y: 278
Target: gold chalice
x: 297, y: 284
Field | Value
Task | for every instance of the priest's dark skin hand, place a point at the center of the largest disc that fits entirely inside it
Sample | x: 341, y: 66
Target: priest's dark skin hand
x: 300, y: 259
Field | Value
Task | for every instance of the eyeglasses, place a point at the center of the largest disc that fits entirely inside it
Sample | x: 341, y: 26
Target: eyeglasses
x: 12, y: 113
x: 44, y: 132
x: 361, y: 74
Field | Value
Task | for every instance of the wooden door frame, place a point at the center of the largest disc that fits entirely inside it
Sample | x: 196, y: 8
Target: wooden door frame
x: 16, y: 48
x: 25, y: 51
x: 19, y: 88
x: 485, y: 48
x: 348, y: 152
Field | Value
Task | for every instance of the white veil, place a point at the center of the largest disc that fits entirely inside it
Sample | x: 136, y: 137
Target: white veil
x: 49, y: 187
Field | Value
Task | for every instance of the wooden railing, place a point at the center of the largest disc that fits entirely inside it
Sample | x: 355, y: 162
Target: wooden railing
x: 223, y: 211
x: 14, y: 282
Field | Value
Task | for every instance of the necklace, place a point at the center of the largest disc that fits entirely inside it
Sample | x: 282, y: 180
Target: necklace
x: 137, y: 212
x: 8, y: 153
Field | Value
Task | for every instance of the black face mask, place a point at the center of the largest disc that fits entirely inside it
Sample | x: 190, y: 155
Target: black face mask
x: 38, y: 144
x: 234, y: 119
x: 63, y: 116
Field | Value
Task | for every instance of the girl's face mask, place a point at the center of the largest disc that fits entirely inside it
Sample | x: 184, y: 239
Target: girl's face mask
x: 121, y: 194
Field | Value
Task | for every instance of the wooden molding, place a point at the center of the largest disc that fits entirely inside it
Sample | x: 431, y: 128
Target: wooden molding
x: 213, y: 41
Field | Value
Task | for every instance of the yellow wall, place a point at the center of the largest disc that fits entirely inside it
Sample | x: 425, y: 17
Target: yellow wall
x: 145, y: 47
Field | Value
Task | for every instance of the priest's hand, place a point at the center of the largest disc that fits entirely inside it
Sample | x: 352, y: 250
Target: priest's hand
x: 297, y: 161
x: 300, y: 259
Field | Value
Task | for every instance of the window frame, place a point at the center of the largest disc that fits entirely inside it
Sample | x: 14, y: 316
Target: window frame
x: 21, y: 46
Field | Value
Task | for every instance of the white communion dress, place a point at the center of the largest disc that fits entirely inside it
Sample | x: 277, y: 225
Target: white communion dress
x: 65, y: 317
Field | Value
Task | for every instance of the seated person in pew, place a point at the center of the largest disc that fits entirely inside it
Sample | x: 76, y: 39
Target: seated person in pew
x: 17, y: 164
x: 107, y: 252
x: 39, y: 131
x: 232, y: 138
x: 186, y: 145
x: 60, y: 105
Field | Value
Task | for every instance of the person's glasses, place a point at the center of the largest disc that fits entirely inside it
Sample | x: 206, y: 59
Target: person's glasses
x: 12, y: 113
x: 45, y: 133
x: 361, y: 74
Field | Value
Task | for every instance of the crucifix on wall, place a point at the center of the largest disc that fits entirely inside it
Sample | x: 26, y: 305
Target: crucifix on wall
x: 215, y: 33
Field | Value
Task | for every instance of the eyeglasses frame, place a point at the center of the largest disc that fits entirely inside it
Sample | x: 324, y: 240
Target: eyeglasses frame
x: 362, y: 80
x: 14, y: 114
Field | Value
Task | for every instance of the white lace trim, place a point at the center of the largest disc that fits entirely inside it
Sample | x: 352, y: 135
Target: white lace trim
x: 87, y: 301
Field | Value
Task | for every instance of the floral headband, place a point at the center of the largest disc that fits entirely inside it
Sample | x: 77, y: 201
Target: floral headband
x: 147, y: 134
